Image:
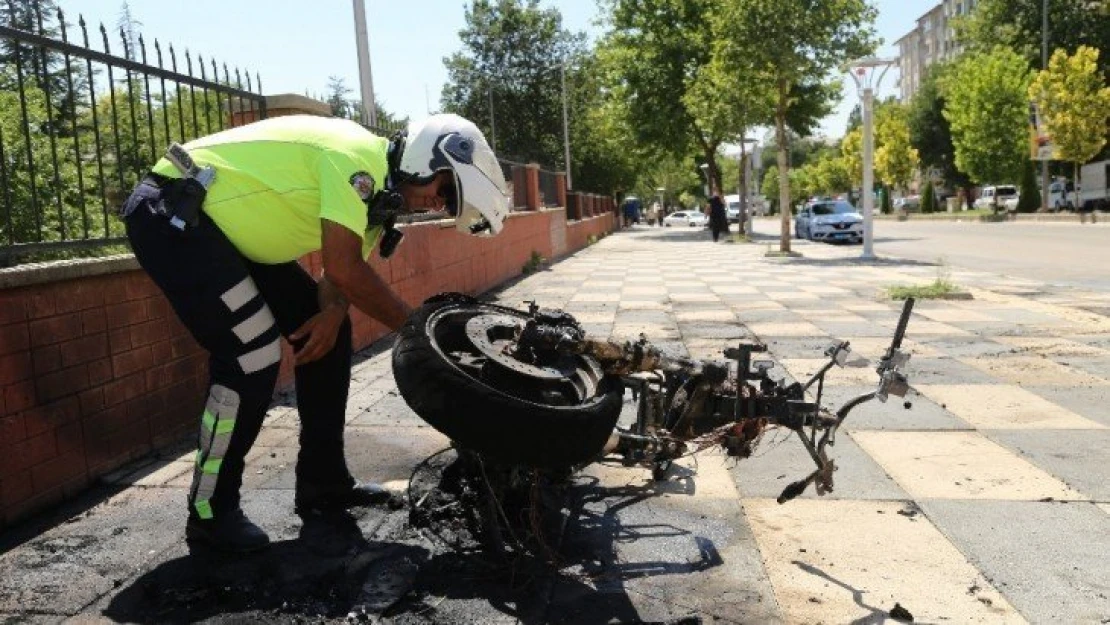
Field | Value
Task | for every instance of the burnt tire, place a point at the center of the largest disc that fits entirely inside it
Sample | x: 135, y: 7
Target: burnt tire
x: 495, y: 422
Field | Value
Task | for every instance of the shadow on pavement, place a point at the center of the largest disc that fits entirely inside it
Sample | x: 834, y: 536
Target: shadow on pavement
x: 330, y: 571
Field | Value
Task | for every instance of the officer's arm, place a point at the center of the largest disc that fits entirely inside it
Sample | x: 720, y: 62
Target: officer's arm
x: 360, y: 284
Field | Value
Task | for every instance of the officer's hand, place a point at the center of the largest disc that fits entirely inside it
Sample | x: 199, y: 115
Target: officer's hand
x: 318, y: 334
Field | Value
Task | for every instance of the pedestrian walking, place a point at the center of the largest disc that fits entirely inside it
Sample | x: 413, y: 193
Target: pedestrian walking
x: 219, y: 225
x: 718, y: 217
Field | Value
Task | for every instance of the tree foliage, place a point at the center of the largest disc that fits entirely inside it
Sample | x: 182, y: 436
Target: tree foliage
x: 928, y: 198
x: 1074, y: 104
x: 987, y: 108
x: 896, y: 159
x: 658, y: 52
x: 930, y: 132
x: 1017, y: 24
x: 1029, y: 198
x: 511, y: 56
x: 794, y: 42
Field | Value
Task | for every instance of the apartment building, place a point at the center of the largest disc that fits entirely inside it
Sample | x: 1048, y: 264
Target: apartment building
x: 931, y: 41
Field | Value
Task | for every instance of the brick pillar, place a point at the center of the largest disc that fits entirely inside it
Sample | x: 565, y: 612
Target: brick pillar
x: 532, y: 183
x: 561, y: 189
x: 278, y: 106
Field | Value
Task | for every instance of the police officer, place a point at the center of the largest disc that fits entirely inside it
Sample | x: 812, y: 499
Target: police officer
x: 223, y: 247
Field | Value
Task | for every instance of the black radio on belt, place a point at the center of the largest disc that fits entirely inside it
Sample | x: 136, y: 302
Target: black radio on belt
x: 382, y: 210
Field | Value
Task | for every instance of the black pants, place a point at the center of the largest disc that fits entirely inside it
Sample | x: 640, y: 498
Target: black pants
x: 237, y: 310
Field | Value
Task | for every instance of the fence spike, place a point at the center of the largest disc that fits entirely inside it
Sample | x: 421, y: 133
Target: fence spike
x: 142, y: 48
x: 227, y: 76
x: 84, y: 30
x: 248, y: 75
x: 158, y: 51
x: 258, y: 78
x: 200, y: 63
x: 238, y: 79
x: 189, y: 62
x: 62, y: 23
x: 126, y: 46
x: 173, y: 59
x: 104, y: 36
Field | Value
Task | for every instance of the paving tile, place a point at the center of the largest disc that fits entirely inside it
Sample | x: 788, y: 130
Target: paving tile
x: 1053, y: 347
x: 959, y: 465
x: 603, y: 296
x: 804, y: 368
x: 953, y: 315
x: 661, y: 552
x: 1003, y: 406
x: 943, y: 370
x: 1050, y: 560
x: 765, y: 330
x: 922, y: 414
x: 780, y: 459
x: 1077, y: 457
x: 1034, y: 370
x: 856, y: 570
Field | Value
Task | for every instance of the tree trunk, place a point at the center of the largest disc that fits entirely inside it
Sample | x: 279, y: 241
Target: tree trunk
x: 784, y: 169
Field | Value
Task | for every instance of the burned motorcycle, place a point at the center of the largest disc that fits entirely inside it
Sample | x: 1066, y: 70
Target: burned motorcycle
x: 529, y: 388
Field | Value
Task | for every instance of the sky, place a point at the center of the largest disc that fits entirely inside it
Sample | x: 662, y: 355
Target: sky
x: 296, y: 45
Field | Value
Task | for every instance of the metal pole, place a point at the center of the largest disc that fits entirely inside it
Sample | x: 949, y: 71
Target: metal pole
x: 566, y: 127
x: 1044, y: 65
x: 868, y: 182
x: 365, y: 77
x: 492, y: 126
x: 743, y: 184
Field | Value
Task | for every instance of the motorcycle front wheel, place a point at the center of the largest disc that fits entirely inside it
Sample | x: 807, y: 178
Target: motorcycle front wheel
x: 455, y: 365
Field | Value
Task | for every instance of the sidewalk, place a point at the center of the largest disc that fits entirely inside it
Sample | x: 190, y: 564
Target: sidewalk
x: 987, y: 501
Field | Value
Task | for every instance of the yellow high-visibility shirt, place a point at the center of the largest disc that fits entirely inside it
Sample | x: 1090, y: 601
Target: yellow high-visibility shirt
x: 276, y: 178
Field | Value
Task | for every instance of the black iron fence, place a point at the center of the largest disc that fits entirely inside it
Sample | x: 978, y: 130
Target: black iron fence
x: 80, y: 126
x: 549, y: 188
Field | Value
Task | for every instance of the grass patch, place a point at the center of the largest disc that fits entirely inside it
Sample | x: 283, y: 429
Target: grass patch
x: 937, y: 289
x: 534, y: 264
x: 940, y: 288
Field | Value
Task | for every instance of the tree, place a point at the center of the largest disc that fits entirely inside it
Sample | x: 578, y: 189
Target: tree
x: 928, y: 198
x: 1074, y: 105
x: 895, y: 158
x: 987, y: 108
x: 337, y: 97
x: 769, y: 187
x: 1029, y: 199
x: 1017, y: 24
x: 792, y: 42
x: 930, y: 133
x: 512, y: 52
x: 658, y: 52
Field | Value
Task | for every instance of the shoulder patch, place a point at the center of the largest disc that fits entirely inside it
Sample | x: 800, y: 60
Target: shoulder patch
x: 363, y: 184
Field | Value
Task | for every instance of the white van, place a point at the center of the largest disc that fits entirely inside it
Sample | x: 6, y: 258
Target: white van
x: 1005, y: 196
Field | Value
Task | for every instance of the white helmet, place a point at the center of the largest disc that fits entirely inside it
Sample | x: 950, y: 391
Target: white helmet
x: 449, y: 142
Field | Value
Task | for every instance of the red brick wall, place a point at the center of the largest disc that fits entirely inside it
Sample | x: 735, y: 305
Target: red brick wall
x: 97, y: 371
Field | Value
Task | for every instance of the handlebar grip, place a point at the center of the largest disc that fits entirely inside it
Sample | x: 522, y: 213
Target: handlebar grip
x: 793, y: 490
x: 900, y: 332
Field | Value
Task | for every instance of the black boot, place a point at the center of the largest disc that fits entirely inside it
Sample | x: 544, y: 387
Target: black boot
x: 229, y: 531
x: 312, y: 498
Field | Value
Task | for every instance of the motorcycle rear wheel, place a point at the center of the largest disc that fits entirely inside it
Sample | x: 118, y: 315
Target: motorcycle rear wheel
x: 452, y: 365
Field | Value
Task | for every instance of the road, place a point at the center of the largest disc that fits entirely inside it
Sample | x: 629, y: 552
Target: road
x: 1059, y: 253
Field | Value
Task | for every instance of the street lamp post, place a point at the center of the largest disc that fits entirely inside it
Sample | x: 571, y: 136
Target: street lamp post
x: 744, y: 182
x: 662, y: 191
x: 1044, y: 66
x: 365, y: 76
x: 866, y: 84
x: 704, y: 168
x: 566, y: 125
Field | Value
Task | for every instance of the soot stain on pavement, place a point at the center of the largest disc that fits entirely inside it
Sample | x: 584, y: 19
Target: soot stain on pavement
x: 438, y: 560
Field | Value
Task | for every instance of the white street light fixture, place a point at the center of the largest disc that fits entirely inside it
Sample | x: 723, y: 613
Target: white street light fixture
x: 863, y: 73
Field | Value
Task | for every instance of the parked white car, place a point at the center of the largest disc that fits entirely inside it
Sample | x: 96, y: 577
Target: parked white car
x: 693, y: 219
x: 1004, y: 195
x: 829, y: 220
